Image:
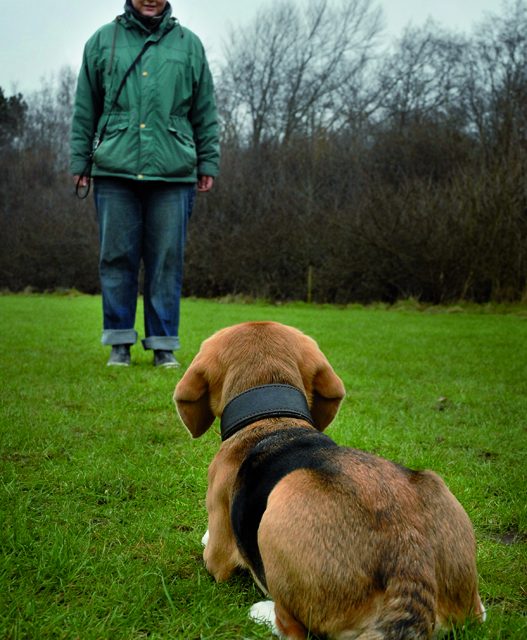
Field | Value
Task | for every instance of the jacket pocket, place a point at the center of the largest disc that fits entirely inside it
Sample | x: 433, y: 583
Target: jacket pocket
x: 182, y: 158
x: 115, y: 151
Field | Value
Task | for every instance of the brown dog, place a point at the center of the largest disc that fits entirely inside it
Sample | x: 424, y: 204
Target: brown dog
x: 347, y: 544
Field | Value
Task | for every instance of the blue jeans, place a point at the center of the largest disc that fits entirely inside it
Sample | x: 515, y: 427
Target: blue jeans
x: 142, y: 221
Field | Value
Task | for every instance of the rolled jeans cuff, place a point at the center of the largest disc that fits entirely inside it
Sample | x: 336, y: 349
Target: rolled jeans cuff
x: 162, y: 343
x: 119, y: 336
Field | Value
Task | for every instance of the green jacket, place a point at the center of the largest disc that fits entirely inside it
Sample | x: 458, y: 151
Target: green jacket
x: 164, y: 126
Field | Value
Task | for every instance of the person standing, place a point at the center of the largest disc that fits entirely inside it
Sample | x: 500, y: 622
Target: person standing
x: 145, y: 127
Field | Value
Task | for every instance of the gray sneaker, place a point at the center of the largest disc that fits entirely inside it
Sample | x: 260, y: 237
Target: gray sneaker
x: 165, y: 359
x: 119, y: 356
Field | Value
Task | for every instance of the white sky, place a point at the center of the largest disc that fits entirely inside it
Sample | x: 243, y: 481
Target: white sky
x: 41, y: 36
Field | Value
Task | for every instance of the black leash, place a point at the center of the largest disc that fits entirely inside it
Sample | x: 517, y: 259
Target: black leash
x: 86, y: 173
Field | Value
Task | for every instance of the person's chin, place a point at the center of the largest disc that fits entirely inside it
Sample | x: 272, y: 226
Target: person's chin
x: 149, y: 13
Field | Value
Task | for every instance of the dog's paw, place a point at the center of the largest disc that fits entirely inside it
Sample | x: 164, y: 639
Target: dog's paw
x: 263, y: 613
x: 205, y: 538
x: 483, y: 614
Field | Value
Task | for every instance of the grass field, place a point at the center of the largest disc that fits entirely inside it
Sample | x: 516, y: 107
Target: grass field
x: 102, y: 491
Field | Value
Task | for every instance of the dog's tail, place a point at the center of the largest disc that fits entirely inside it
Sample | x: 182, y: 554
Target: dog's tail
x: 409, y: 610
x: 408, y: 613
x: 407, y: 606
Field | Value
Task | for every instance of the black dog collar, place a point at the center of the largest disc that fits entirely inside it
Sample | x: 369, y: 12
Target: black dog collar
x: 266, y: 401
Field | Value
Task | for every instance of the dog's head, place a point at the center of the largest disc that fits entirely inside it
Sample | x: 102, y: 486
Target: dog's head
x: 252, y: 354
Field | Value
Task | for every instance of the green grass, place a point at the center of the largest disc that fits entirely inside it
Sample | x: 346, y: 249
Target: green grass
x: 102, y: 491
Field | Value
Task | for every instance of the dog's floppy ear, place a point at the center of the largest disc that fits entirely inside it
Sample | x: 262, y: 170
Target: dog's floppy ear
x: 328, y: 392
x: 192, y: 400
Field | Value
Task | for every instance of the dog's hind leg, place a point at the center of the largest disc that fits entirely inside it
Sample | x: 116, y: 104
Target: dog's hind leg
x: 289, y: 626
x: 282, y: 623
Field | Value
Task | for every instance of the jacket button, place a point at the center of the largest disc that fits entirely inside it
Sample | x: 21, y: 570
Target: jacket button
x: 142, y: 125
x: 145, y: 73
x: 140, y: 176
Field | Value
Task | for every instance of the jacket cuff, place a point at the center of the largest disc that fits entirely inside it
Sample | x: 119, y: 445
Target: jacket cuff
x: 78, y: 166
x: 208, y: 169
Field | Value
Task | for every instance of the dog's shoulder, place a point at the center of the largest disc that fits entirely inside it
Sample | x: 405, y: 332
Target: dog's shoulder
x: 269, y: 461
x: 282, y: 452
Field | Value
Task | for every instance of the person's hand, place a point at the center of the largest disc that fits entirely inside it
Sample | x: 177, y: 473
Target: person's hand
x: 205, y: 183
x: 84, y: 180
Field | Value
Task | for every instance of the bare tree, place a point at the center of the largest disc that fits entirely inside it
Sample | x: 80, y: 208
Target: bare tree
x: 496, y: 82
x: 13, y: 111
x: 51, y: 109
x: 283, y: 72
x: 422, y: 80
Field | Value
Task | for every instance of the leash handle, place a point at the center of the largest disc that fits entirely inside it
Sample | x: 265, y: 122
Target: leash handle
x: 82, y: 191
